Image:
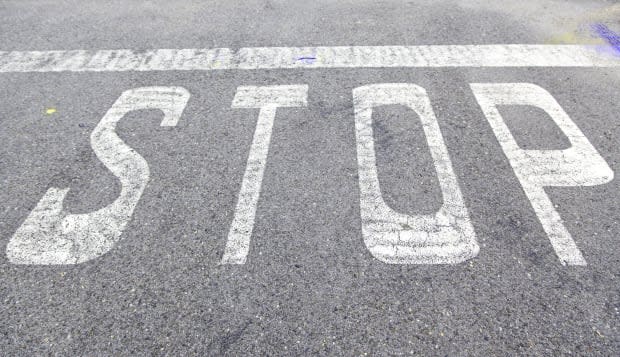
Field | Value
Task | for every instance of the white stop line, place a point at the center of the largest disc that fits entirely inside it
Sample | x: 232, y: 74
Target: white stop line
x: 309, y: 57
x: 50, y: 235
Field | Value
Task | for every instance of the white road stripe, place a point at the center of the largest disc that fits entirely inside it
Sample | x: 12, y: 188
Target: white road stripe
x: 268, y: 99
x: 579, y: 165
x: 516, y: 55
x: 51, y: 235
x: 445, y: 237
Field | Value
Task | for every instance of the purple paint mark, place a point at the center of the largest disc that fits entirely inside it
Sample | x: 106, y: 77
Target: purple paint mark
x: 307, y: 59
x: 612, y: 38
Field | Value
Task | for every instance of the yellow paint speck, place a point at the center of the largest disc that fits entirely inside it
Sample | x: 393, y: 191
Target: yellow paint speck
x: 50, y: 111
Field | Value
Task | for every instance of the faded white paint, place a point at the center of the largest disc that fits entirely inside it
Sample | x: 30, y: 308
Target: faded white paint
x: 579, y: 165
x: 51, y: 235
x: 514, y: 55
x: 445, y: 237
x: 268, y: 99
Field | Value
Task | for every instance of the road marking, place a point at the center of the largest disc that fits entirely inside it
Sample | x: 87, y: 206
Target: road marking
x: 446, y: 237
x: 50, y: 235
x: 268, y: 99
x: 579, y: 165
x: 515, y: 55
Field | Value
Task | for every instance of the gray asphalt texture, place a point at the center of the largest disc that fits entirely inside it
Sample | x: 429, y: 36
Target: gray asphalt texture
x: 309, y: 286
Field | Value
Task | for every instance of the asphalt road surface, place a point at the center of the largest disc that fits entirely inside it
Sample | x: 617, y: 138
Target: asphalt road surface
x: 202, y: 178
